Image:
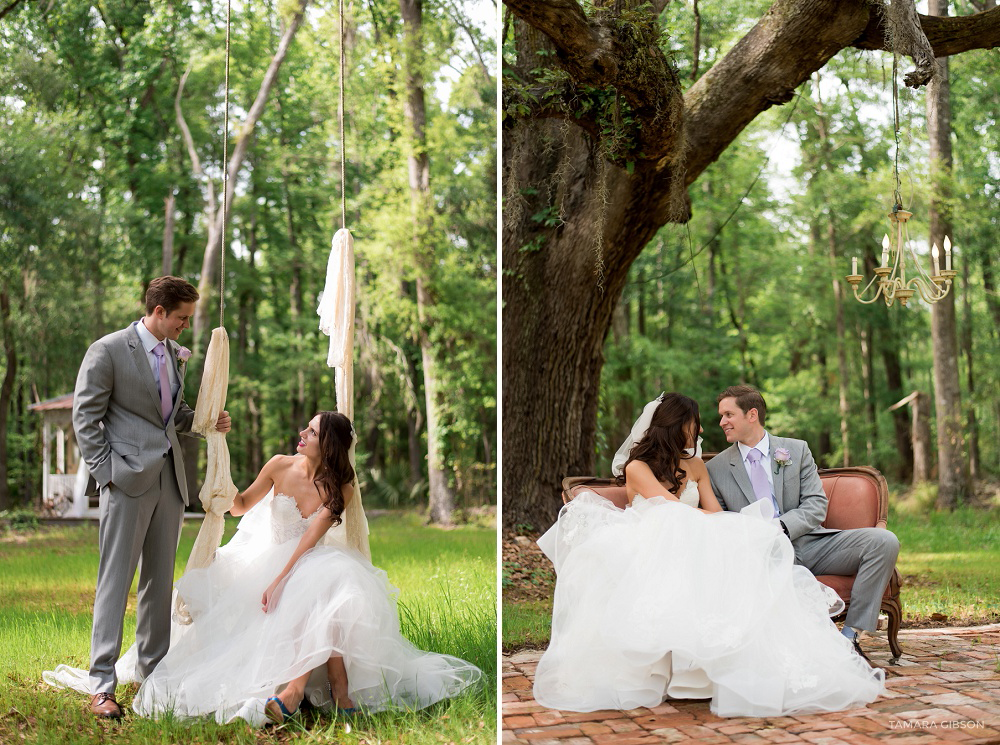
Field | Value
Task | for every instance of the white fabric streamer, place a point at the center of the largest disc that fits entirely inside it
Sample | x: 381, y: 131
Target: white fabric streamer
x: 336, y: 304
x: 336, y: 320
x: 218, y: 490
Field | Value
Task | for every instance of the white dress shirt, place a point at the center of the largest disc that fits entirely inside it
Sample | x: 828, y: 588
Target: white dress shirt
x: 148, y: 342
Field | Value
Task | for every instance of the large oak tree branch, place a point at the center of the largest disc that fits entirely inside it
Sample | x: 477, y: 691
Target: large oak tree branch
x: 947, y: 35
x: 791, y: 42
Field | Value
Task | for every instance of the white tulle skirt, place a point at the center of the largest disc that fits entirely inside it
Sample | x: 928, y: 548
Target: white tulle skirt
x: 660, y: 600
x: 234, y: 656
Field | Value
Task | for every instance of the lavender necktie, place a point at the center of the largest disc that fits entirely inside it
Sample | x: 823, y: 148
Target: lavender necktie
x: 166, y: 397
x: 758, y: 479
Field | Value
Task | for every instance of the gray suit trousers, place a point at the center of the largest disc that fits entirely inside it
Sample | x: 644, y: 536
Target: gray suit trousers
x: 868, y: 552
x: 146, y: 527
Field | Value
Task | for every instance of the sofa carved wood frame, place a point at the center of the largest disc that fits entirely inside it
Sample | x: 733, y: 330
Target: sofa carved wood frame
x: 859, y: 498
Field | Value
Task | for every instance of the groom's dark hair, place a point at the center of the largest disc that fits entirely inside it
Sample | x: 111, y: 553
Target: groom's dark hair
x: 747, y: 397
x: 169, y: 292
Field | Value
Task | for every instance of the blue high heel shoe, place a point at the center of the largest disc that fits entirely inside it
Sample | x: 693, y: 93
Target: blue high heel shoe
x: 276, y: 710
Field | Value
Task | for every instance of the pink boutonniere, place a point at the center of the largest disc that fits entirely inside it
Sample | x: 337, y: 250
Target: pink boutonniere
x: 782, y: 458
x: 183, y: 354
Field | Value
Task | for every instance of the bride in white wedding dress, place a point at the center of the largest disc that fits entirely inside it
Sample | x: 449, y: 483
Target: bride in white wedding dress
x: 673, y: 597
x: 282, y: 615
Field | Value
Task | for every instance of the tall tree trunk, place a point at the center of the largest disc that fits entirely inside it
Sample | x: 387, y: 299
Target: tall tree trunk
x: 441, y: 498
x: 953, y: 468
x: 921, y: 438
x: 299, y: 415
x: 993, y: 305
x: 6, y: 390
x: 973, y: 425
x: 254, y: 450
x: 414, y: 422
x: 844, y: 375
x: 867, y: 380
x: 900, y: 422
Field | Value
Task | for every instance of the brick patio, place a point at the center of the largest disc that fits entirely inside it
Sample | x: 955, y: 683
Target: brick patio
x: 946, y: 689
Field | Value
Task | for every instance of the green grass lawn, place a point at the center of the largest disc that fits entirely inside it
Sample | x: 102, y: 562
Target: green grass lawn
x: 447, y: 582
x: 950, y: 563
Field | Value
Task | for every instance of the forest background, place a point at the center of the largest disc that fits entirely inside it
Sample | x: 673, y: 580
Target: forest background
x: 111, y: 156
x: 751, y: 288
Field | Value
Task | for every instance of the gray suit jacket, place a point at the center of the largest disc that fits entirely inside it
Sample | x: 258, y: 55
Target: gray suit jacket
x: 797, y: 486
x: 117, y: 418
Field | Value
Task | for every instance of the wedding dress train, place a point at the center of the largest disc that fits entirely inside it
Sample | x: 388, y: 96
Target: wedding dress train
x: 661, y: 600
x: 234, y: 656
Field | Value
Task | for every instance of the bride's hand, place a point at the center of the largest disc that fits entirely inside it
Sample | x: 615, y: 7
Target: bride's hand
x: 268, y: 600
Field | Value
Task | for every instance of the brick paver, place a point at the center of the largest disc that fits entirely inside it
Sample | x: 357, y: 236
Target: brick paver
x: 945, y: 689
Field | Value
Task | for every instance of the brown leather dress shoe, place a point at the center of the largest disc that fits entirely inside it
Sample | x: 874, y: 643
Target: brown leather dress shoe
x: 103, y: 705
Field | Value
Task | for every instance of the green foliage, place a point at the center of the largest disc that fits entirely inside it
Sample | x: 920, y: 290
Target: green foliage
x: 19, y: 520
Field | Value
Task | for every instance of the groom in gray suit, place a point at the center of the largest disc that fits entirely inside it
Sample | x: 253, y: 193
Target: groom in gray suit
x: 128, y: 409
x: 782, y: 471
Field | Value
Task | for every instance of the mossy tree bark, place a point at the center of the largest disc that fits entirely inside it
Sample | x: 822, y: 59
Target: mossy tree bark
x: 600, y: 144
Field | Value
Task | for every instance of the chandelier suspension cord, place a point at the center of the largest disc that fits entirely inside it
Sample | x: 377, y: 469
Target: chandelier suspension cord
x: 225, y: 180
x: 897, y: 197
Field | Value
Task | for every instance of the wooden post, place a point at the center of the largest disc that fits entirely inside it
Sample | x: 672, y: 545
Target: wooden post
x: 60, y: 450
x: 46, y: 457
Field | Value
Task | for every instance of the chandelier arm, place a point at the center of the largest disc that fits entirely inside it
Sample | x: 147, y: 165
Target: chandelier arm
x: 862, y: 300
x: 931, y: 293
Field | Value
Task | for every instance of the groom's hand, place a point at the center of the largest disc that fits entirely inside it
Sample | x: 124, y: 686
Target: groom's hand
x: 224, y: 424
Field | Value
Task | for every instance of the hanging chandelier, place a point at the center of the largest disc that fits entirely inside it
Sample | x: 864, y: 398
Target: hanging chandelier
x: 891, y: 278
x: 890, y: 281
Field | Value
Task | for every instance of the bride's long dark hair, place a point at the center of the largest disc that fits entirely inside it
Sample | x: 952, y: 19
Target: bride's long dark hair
x: 335, y: 469
x: 663, y: 446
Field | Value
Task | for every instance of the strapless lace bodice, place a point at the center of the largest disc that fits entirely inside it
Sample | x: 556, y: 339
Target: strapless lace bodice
x: 287, y: 523
x: 690, y: 495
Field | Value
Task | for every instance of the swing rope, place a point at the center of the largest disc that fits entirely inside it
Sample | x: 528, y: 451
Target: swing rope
x: 218, y: 490
x: 343, y: 140
x: 336, y: 319
x: 225, y: 179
